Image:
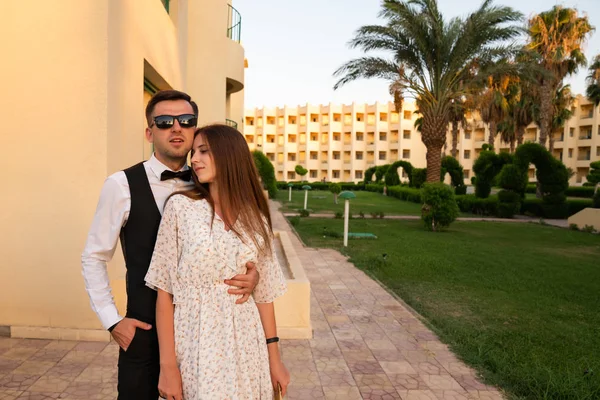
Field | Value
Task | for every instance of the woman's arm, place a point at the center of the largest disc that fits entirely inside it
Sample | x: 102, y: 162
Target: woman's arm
x: 279, y: 374
x: 169, y: 383
x: 267, y: 317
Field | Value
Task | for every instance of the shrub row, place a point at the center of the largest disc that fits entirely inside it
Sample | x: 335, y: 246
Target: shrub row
x: 320, y: 185
x: 586, y: 192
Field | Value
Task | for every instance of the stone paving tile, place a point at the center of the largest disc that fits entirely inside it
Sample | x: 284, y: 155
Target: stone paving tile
x: 18, y: 381
x: 9, y: 394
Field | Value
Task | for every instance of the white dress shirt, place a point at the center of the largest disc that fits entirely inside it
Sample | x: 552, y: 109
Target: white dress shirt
x: 111, y: 215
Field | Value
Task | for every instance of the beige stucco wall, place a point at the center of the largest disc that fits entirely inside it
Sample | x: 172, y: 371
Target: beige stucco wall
x: 588, y: 216
x: 73, y: 93
x: 55, y: 155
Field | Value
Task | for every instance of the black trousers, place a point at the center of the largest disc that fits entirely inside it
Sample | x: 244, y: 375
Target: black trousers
x: 139, y: 367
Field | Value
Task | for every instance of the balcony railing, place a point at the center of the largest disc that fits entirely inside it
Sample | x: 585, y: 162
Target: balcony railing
x: 234, y: 24
x: 231, y: 123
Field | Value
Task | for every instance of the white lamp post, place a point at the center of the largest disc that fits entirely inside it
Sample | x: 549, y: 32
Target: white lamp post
x: 346, y: 195
x: 306, y: 189
x: 290, y: 191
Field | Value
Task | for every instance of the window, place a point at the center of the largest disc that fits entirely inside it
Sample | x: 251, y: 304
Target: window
x: 383, y: 117
x: 406, y: 134
x: 270, y: 120
x: 358, y: 174
x: 382, y: 155
x: 407, y: 115
x: 314, y: 155
x: 359, y: 155
x: 336, y: 155
x: 405, y: 153
x: 291, y: 138
x: 314, y: 137
x: 313, y: 173
x: 291, y: 175
x: 337, y: 136
x: 466, y: 174
x: 467, y: 135
x: 291, y: 157
x: 303, y: 119
x: 570, y: 153
x: 383, y: 136
x: 359, y: 136
x: 360, y: 117
x: 250, y: 121
x: 467, y: 154
x: 571, y: 132
x: 336, y: 174
x: 314, y: 118
x: 292, y: 120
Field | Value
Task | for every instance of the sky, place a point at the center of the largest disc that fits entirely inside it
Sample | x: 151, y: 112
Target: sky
x: 293, y: 47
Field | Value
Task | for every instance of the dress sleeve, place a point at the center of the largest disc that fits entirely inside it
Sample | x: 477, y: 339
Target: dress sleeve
x: 161, y: 272
x: 271, y: 282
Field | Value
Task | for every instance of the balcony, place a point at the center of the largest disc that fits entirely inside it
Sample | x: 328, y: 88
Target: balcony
x: 234, y: 24
x: 231, y: 123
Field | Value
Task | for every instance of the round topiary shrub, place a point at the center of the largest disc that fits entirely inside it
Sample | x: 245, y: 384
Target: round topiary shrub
x: 596, y: 199
x: 439, y: 208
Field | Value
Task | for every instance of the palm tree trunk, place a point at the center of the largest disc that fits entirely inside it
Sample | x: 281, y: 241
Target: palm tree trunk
x: 520, y: 135
x: 545, y: 111
x: 493, y: 131
x: 433, y: 135
x: 454, y: 138
x: 551, y: 143
x: 512, y: 145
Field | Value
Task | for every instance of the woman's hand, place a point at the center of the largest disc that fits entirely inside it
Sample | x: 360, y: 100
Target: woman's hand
x: 169, y: 383
x: 279, y: 375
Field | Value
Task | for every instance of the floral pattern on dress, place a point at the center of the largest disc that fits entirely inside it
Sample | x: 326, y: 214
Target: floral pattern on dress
x: 220, y: 346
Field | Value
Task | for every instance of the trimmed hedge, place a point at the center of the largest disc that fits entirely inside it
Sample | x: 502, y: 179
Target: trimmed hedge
x: 320, y: 185
x: 405, y: 193
x: 585, y: 192
x: 470, y: 203
x: 537, y: 208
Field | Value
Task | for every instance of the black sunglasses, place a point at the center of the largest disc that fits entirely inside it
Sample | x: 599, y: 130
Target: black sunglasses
x: 167, y: 121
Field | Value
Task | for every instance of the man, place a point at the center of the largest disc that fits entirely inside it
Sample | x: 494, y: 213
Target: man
x: 130, y: 208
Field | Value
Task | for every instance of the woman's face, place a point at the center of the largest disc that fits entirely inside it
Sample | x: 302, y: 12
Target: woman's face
x: 202, y: 160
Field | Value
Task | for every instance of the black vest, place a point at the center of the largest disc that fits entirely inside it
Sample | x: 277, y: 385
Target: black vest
x: 137, y: 241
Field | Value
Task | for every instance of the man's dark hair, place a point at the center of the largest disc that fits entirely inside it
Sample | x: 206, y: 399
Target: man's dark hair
x: 166, y: 95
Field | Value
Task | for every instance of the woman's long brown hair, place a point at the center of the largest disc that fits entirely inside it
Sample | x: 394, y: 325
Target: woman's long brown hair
x: 240, y: 194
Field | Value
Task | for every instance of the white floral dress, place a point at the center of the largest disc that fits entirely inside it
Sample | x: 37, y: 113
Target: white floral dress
x: 220, y: 346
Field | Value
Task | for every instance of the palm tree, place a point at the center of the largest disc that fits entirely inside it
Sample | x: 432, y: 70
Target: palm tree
x: 562, y: 111
x: 493, y: 102
x: 432, y: 60
x: 593, y: 81
x: 458, y: 109
x: 556, y: 38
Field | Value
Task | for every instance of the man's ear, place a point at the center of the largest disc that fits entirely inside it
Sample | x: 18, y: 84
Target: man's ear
x: 149, y: 136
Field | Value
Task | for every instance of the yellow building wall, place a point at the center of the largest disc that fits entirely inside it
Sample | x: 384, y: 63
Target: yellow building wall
x: 74, y: 96
x: 56, y: 99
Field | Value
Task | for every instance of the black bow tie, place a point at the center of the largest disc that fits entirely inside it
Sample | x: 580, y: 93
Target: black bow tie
x: 185, y: 175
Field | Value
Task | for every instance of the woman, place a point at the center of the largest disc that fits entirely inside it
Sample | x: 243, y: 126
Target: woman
x: 211, y: 347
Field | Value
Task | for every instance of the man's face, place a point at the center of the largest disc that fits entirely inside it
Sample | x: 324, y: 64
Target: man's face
x: 171, y: 143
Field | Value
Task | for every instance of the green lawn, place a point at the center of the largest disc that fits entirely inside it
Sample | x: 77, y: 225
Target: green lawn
x: 367, y: 202
x: 519, y: 302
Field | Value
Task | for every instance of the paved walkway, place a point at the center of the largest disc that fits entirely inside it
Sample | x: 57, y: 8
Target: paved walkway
x: 366, y: 345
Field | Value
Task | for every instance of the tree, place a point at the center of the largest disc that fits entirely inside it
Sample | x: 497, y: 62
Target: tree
x: 593, y: 82
x: 557, y: 37
x: 432, y: 60
x: 266, y: 171
x: 458, y: 109
x: 336, y: 189
x: 300, y: 170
